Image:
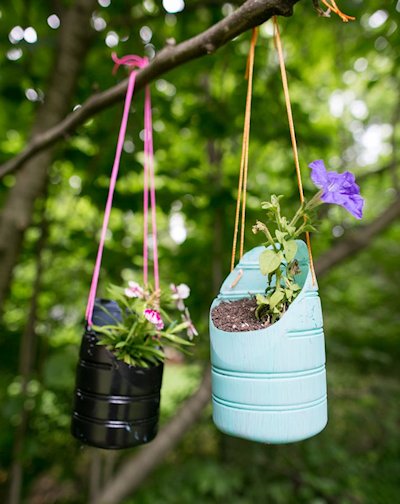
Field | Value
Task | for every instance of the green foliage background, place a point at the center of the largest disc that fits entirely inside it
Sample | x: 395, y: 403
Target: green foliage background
x: 198, y: 116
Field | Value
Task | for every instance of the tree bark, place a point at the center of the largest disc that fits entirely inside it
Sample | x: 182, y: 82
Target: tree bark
x: 357, y: 240
x: 136, y: 468
x: 27, y: 355
x: 31, y: 180
x: 96, y: 463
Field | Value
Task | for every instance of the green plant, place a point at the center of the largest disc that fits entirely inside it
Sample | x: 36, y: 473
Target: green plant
x: 278, y: 260
x: 150, y: 321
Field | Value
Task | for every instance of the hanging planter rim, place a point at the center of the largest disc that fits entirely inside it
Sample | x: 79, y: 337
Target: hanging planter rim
x: 276, y: 326
x: 92, y: 332
x: 112, y: 355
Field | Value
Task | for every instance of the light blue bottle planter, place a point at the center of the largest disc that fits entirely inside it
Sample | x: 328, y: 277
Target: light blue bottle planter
x: 269, y: 385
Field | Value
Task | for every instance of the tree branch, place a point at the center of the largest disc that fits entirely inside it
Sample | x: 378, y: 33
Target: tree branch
x: 27, y: 354
x: 251, y: 13
x: 392, y: 165
x: 357, y: 240
x: 136, y: 468
x: 73, y: 43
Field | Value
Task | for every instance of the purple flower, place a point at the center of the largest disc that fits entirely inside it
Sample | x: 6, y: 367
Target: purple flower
x: 154, y: 317
x: 338, y: 188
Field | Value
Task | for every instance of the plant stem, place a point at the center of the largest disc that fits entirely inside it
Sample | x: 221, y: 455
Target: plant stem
x: 270, y: 239
x: 278, y: 216
x: 300, y: 230
x: 297, y: 215
x: 305, y: 207
x: 315, y: 200
x: 278, y: 278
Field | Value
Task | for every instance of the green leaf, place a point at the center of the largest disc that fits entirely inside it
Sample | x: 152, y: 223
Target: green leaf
x: 260, y: 299
x: 280, y: 236
x: 309, y: 227
x: 177, y: 339
x: 290, y: 249
x: 265, y: 205
x: 261, y: 311
x: 275, y: 199
x: 178, y: 328
x: 276, y: 298
x: 128, y: 360
x: 151, y: 351
x: 270, y: 261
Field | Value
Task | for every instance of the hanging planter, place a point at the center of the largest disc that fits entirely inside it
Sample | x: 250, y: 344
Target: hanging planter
x: 120, y: 369
x: 269, y: 385
x: 266, y: 327
x: 116, y: 405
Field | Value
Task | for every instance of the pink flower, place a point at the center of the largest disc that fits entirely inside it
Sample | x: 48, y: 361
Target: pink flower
x: 154, y: 317
x: 191, y: 330
x: 179, y: 293
x: 134, y: 291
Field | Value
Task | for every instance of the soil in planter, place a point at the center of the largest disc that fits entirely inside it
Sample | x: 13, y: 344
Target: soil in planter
x: 237, y: 316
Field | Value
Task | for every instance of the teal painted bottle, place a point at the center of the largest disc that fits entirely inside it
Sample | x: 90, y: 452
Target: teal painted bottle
x: 269, y: 385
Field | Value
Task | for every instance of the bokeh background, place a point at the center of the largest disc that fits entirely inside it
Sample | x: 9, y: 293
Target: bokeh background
x: 345, y: 88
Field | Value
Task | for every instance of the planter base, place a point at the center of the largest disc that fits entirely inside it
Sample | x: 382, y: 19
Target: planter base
x: 270, y: 426
x: 113, y: 435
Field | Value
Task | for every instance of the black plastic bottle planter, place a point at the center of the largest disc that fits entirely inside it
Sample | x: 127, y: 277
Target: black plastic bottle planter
x: 116, y: 405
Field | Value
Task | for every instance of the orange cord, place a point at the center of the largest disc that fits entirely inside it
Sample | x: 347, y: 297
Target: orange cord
x: 334, y: 8
x: 281, y: 58
x: 244, y: 161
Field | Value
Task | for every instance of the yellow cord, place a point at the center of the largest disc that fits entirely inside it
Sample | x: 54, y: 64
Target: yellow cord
x: 335, y: 9
x: 281, y: 58
x: 244, y: 161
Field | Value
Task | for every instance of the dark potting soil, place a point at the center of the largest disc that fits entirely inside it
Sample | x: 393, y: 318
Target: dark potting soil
x: 236, y: 316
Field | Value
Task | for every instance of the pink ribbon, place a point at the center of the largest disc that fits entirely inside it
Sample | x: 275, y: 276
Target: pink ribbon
x: 131, y: 61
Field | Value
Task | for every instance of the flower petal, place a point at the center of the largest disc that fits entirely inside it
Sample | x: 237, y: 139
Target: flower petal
x: 191, y: 330
x: 354, y: 204
x: 130, y: 294
x: 338, y: 188
x: 349, y: 183
x: 319, y: 173
x: 180, y: 304
x: 134, y: 290
x: 183, y: 291
x: 154, y: 317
